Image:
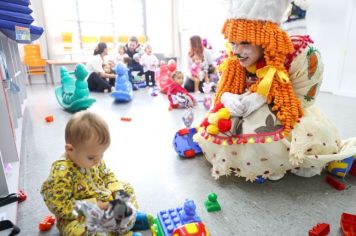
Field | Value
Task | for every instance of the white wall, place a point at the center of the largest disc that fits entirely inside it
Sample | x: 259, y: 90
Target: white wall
x: 331, y: 24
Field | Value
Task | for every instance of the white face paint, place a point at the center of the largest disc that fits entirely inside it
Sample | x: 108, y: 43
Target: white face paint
x: 247, y: 53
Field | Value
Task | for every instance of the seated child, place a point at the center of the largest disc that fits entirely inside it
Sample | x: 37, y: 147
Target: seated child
x: 81, y: 175
x: 119, y: 57
x: 177, y: 95
x: 198, y: 71
x: 108, y: 70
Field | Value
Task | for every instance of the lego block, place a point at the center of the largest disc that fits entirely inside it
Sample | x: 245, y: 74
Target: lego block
x: 173, y: 218
x: 333, y: 182
x: 321, y: 229
x: 341, y: 168
x: 260, y: 180
x: 49, y: 119
x: 128, y: 119
x: 21, y: 195
x: 184, y: 145
x: 47, y: 223
x: 212, y: 204
x: 191, y: 229
x: 348, y: 224
x: 353, y: 168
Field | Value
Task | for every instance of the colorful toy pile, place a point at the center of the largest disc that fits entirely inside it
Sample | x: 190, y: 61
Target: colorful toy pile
x: 180, y: 221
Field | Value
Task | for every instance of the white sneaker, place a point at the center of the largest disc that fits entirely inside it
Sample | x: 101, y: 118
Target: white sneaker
x: 306, y: 172
x: 276, y: 177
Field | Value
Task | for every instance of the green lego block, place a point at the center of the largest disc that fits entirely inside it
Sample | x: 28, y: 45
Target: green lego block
x: 212, y: 204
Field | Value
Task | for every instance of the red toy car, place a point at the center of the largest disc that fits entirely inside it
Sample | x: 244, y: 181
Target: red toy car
x: 191, y: 229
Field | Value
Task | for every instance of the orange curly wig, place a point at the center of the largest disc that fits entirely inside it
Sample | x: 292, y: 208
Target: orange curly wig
x: 276, y: 45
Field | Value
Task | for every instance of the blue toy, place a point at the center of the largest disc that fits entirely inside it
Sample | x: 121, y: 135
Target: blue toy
x: 73, y: 95
x: 169, y: 220
x: 260, y: 179
x: 123, y: 88
x: 341, y: 168
x: 184, y: 145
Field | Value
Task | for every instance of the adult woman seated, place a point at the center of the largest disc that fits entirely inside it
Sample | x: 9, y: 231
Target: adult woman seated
x: 196, y: 53
x: 98, y: 80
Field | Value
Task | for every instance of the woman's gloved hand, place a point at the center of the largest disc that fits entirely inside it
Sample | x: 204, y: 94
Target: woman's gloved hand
x: 233, y: 103
x: 251, y: 102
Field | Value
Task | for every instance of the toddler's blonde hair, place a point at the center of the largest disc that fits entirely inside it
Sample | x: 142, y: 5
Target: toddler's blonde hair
x: 85, y: 126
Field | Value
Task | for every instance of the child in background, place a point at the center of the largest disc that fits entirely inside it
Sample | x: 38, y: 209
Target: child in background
x: 149, y: 62
x: 198, y: 71
x: 81, y: 175
x: 108, y: 70
x: 177, y: 95
x: 120, y: 54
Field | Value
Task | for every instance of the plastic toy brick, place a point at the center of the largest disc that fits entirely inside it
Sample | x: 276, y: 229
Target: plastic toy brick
x: 191, y: 229
x: 184, y: 145
x: 353, y: 168
x: 341, y: 168
x: 321, y: 229
x: 49, y: 119
x: 260, y: 180
x: 128, y: 119
x: 212, y: 204
x: 21, y: 195
x: 173, y: 218
x: 47, y: 223
x: 333, y: 182
x: 348, y: 224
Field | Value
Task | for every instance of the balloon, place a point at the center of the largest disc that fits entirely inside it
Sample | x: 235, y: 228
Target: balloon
x: 188, y: 117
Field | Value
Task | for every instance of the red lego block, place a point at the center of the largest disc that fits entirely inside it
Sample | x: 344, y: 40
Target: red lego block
x: 21, y: 196
x: 353, y: 169
x: 321, y: 229
x: 348, y: 224
x: 128, y: 119
x: 49, y: 119
x: 333, y: 182
x: 189, y: 153
x: 183, y: 132
x: 47, y: 223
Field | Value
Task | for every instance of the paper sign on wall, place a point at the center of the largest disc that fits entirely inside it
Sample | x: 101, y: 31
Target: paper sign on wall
x: 22, y: 33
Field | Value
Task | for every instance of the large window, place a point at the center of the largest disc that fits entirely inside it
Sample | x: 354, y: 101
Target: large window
x: 83, y: 22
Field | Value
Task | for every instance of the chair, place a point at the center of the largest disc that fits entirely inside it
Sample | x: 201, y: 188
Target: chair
x: 67, y: 40
x: 141, y: 39
x: 89, y: 43
x: 109, y: 40
x: 122, y: 39
x: 33, y: 61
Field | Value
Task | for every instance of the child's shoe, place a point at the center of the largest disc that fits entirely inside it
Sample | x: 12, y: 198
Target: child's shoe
x: 143, y: 221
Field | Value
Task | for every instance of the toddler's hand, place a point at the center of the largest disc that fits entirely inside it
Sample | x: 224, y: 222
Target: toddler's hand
x: 102, y: 205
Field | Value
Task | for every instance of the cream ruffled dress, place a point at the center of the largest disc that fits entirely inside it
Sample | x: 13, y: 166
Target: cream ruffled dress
x: 256, y: 146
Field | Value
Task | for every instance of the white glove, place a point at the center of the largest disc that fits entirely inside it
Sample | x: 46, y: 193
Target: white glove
x: 252, y: 102
x: 233, y: 103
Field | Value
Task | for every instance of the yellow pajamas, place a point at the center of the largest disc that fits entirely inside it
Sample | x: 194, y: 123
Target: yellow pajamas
x: 68, y: 183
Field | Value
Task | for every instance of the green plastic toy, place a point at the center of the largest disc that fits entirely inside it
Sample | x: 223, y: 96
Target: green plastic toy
x: 73, y: 94
x: 212, y: 204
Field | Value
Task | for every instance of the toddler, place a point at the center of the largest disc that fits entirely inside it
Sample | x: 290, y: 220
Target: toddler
x: 198, y: 71
x: 81, y: 176
x: 177, y: 95
x: 150, y: 63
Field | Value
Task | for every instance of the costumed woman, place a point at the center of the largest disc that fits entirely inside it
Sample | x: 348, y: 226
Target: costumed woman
x: 264, y: 123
